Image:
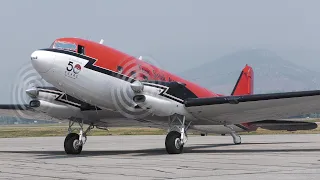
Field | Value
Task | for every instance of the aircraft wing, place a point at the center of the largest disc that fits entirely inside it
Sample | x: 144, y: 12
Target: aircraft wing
x: 22, y: 111
x: 109, y: 118
x: 257, y: 107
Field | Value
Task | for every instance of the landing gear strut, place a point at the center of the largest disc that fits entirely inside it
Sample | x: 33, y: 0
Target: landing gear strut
x: 235, y: 136
x: 74, y: 142
x: 177, y: 136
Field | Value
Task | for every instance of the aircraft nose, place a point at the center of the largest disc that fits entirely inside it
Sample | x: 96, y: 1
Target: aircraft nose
x: 42, y: 61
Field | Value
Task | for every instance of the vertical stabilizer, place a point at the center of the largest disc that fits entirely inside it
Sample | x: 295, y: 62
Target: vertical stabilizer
x: 244, y: 85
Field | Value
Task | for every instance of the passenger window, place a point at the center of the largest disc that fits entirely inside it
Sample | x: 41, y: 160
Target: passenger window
x: 119, y: 69
x: 81, y: 49
x: 132, y: 74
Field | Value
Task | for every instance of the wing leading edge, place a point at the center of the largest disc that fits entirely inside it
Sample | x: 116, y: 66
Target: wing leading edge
x: 22, y: 111
x: 257, y: 107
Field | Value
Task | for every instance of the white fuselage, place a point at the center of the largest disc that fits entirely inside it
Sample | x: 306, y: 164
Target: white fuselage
x: 94, y: 87
x: 89, y: 86
x: 69, y: 74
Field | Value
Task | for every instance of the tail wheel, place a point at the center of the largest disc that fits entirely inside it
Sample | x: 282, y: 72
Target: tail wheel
x: 72, y: 145
x: 173, y: 143
x: 203, y: 134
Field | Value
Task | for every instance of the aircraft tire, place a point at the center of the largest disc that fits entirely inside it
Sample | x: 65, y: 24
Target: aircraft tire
x: 69, y: 144
x: 172, y: 143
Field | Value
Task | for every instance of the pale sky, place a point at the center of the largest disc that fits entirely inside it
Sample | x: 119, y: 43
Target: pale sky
x: 177, y: 34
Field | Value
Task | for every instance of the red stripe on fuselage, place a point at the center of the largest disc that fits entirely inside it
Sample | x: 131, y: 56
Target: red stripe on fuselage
x: 111, y: 59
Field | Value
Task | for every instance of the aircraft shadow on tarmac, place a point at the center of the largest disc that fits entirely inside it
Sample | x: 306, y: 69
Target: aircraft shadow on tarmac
x: 203, y: 148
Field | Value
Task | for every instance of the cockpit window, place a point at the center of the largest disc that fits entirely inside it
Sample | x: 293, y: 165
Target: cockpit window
x: 64, y: 45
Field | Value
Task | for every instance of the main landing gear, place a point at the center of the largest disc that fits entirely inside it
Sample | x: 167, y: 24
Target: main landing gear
x: 235, y: 136
x: 74, y: 142
x: 177, y: 136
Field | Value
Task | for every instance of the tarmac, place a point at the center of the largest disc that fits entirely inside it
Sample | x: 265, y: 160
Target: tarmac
x: 144, y: 157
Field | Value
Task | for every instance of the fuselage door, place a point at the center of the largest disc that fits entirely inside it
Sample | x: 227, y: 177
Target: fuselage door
x: 81, y: 49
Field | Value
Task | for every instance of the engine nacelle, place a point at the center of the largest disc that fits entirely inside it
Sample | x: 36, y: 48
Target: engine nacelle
x: 159, y: 107
x: 55, y: 110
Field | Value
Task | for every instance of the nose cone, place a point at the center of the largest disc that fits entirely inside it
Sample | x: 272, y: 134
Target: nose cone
x: 32, y: 92
x: 42, y: 61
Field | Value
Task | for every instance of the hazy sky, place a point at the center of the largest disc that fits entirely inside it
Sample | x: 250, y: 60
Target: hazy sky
x: 181, y: 32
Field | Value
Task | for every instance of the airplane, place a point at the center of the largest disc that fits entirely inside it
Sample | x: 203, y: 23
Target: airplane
x: 99, y: 86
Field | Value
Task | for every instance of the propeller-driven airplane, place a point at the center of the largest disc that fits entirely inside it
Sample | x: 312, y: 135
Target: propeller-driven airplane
x: 102, y: 87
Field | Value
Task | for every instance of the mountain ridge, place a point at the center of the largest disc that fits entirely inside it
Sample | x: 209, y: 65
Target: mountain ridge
x: 272, y: 73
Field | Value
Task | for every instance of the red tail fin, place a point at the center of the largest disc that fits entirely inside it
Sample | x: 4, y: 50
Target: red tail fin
x: 244, y: 84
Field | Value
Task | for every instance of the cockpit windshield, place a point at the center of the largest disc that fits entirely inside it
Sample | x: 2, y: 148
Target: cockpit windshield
x: 64, y: 45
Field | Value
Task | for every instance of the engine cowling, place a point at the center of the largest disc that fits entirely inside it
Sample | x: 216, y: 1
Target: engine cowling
x: 160, y: 107
x: 55, y: 110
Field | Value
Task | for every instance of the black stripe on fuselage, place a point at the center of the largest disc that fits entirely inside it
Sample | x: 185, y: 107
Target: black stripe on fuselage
x: 60, y: 96
x: 172, y: 90
x: 67, y: 99
x: 176, y: 93
x: 90, y: 64
x: 163, y: 92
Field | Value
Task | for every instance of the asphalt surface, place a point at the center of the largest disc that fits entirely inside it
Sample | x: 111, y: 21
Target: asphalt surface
x: 144, y: 157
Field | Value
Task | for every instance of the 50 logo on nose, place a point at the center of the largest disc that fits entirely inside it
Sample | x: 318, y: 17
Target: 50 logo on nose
x: 72, y: 70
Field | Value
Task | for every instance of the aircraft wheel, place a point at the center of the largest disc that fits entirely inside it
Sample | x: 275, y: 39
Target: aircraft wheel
x: 237, y: 139
x: 173, y: 143
x: 72, y: 145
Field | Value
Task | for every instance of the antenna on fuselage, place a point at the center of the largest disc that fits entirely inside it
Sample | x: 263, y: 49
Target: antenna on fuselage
x: 101, y: 41
x: 140, y: 58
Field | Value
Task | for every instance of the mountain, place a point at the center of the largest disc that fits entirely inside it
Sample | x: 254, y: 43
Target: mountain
x: 271, y: 73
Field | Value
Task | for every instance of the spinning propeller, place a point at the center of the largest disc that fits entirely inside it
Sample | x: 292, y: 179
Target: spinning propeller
x: 24, y: 89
